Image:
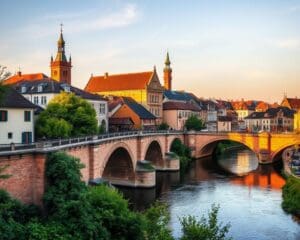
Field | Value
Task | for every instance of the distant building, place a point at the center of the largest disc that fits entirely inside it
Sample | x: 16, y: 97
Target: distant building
x: 143, y: 87
x: 130, y: 109
x: 176, y: 113
x: 224, y: 124
x: 262, y: 107
x: 16, y: 118
x: 291, y: 103
x: 273, y: 120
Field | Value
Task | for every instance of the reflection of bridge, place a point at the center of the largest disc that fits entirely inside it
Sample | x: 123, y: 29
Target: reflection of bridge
x: 119, y: 157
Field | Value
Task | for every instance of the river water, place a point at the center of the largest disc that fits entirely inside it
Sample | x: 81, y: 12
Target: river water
x: 249, y: 196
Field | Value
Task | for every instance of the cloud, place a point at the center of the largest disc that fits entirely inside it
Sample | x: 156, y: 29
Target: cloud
x: 83, y: 21
x: 291, y: 43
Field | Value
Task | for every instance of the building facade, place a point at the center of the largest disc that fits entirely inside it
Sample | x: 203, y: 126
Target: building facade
x: 16, y: 119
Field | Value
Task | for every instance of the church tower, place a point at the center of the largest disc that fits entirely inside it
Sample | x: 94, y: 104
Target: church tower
x: 168, y: 73
x: 61, y: 67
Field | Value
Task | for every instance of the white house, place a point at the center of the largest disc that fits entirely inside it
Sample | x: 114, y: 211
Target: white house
x: 16, y: 118
x: 40, y: 92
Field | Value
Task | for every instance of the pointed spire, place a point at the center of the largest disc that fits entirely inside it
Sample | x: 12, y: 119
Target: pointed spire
x: 70, y: 59
x: 167, y: 62
x: 154, y: 68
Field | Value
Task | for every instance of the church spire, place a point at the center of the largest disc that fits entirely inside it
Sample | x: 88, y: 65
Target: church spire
x: 167, y: 62
x: 61, y: 67
x: 168, y: 73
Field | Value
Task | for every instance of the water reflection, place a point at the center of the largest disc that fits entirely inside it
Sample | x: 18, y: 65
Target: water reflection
x: 249, y: 196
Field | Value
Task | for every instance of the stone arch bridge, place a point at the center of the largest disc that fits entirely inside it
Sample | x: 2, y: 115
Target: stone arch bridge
x: 120, y: 157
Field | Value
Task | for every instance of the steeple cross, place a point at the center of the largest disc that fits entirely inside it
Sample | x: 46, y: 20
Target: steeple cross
x: 61, y: 27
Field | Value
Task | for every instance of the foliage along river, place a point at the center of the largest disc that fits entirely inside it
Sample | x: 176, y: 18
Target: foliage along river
x: 249, y: 196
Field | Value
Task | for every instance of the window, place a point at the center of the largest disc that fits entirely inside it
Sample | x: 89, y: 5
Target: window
x: 40, y: 88
x: 9, y: 135
x: 36, y: 100
x: 65, y: 73
x: 102, y: 108
x: 43, y: 100
x: 23, y: 89
x: 27, y: 116
x: 3, y: 116
x: 26, y: 137
x: 55, y: 73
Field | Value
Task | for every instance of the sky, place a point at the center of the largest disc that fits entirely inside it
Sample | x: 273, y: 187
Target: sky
x: 218, y: 49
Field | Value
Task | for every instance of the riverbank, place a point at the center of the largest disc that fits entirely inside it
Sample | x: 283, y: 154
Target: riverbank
x: 291, y: 189
x: 291, y: 196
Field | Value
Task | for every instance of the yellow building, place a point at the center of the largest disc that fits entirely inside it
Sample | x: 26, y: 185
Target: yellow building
x: 297, y: 121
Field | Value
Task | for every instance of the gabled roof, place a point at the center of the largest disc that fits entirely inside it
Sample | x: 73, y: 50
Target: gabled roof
x: 25, y: 77
x: 173, y: 105
x: 119, y: 82
x: 12, y: 99
x: 51, y: 86
x: 139, y: 109
x: 262, y: 106
x: 294, y: 102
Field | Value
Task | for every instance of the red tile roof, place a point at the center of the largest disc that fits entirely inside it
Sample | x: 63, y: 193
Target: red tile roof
x: 119, y: 82
x: 262, y: 106
x: 25, y: 77
x: 294, y: 103
x: 180, y: 106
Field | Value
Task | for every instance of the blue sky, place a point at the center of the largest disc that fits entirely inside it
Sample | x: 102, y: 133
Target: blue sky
x: 222, y: 49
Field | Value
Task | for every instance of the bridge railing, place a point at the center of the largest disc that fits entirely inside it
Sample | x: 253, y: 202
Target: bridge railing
x: 43, y: 144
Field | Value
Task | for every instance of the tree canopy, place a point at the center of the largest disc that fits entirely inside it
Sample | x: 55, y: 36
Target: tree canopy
x: 67, y: 115
x: 194, y: 123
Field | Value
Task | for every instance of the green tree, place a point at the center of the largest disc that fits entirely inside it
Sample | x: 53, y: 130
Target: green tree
x: 194, y: 123
x: 65, y: 116
x: 205, y: 228
x: 183, y: 152
x: 157, y: 217
x: 110, y: 210
x: 163, y: 126
x: 4, y: 74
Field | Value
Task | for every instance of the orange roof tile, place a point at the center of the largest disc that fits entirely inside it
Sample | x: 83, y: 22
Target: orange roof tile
x: 119, y: 82
x: 262, y: 106
x: 25, y: 77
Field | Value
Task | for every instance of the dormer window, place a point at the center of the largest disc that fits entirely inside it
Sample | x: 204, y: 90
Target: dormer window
x: 40, y: 88
x: 23, y: 89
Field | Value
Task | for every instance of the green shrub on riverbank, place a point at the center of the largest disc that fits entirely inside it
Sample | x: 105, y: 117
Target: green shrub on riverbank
x: 291, y: 196
x: 183, y: 152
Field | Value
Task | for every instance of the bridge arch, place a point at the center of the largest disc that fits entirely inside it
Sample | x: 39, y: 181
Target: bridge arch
x: 276, y: 155
x: 174, y: 140
x: 119, y: 166
x: 208, y: 148
x: 154, y: 153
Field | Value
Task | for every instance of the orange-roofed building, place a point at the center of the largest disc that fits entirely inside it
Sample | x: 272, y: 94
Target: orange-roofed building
x: 291, y: 103
x: 144, y: 87
x: 262, y: 107
x: 19, y: 77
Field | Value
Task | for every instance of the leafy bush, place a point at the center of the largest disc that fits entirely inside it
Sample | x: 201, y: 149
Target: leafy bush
x: 291, y: 195
x: 205, y: 228
x: 183, y: 152
x: 157, y: 218
x: 163, y: 126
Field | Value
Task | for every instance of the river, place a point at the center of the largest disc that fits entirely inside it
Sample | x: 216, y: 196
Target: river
x: 249, y: 196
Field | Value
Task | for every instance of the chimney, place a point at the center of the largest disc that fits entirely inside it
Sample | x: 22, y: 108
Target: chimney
x: 106, y: 75
x: 19, y: 73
